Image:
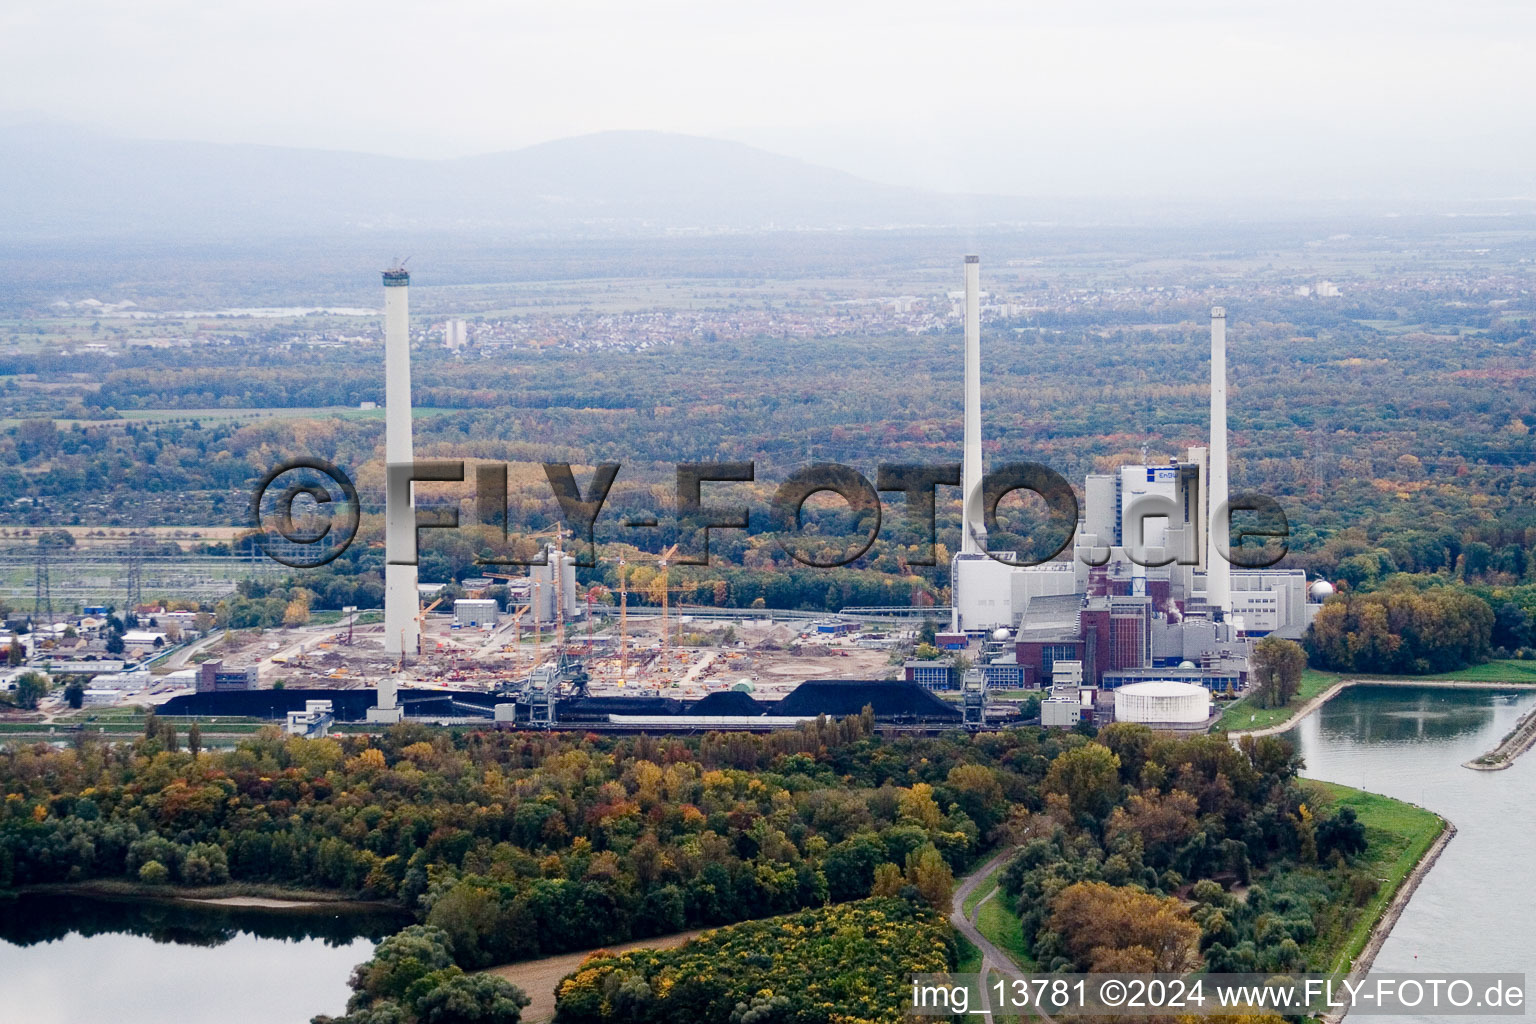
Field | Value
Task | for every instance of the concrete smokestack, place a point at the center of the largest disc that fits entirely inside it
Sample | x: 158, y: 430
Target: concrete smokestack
x: 973, y: 527
x: 1218, y: 571
x: 400, y: 600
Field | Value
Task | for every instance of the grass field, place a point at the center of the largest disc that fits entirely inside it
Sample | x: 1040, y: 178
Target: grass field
x: 997, y: 921
x: 1510, y: 671
x: 1398, y: 835
x: 1245, y: 713
x: 979, y: 894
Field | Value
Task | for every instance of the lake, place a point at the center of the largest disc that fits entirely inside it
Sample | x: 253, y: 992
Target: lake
x: 67, y: 959
x: 1474, y: 910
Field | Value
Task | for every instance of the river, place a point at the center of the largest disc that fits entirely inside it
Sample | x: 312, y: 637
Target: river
x: 1474, y: 911
x: 67, y: 959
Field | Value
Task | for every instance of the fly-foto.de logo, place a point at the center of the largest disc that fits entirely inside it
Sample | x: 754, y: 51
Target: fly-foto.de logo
x: 332, y: 513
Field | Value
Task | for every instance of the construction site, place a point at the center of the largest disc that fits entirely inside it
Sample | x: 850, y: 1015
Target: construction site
x: 557, y: 651
x: 614, y: 652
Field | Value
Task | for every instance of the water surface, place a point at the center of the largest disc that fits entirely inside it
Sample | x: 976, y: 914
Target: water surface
x: 68, y: 959
x: 1476, y: 910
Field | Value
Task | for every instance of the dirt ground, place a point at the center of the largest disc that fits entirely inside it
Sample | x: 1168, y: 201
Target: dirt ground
x: 768, y: 659
x: 538, y: 978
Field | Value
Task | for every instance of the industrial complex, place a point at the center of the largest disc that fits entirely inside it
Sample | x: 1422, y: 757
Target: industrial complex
x: 1140, y: 616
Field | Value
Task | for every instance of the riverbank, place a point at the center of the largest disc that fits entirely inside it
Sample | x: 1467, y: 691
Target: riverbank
x: 1404, y: 843
x: 235, y: 894
x: 1520, y: 739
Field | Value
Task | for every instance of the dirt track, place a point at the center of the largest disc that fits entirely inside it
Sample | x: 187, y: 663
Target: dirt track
x: 538, y: 978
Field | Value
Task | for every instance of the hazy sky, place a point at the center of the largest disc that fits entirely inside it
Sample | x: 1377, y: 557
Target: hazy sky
x: 1304, y: 97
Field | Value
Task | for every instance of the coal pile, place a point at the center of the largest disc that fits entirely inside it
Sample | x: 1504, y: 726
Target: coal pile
x: 597, y: 709
x: 891, y: 701
x: 727, y: 703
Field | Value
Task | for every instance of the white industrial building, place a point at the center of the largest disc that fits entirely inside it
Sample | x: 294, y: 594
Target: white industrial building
x: 545, y: 590
x: 470, y: 612
x: 1162, y: 702
x: 314, y: 721
x: 121, y: 681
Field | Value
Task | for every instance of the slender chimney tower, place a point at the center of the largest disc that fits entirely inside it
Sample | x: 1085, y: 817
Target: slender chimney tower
x: 1218, y: 571
x: 400, y: 600
x: 973, y: 525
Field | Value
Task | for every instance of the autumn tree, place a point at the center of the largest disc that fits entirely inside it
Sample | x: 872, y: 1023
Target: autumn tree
x: 1402, y: 630
x: 930, y: 875
x: 1115, y: 929
x: 888, y: 880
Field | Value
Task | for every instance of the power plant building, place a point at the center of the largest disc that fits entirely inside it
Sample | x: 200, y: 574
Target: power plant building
x: 1110, y: 605
x: 545, y: 591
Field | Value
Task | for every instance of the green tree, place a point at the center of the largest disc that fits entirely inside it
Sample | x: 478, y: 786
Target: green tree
x: 1089, y: 779
x: 31, y: 687
x: 398, y: 963
x: 472, y: 999
x: 1275, y: 670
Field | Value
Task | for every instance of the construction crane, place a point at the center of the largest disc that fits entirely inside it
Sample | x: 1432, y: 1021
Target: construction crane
x: 663, y: 561
x: 623, y: 619
x: 420, y: 620
x: 681, y: 590
x: 595, y: 592
x: 533, y: 599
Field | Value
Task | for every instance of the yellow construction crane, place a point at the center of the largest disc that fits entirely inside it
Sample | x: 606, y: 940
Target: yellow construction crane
x: 596, y: 592
x: 681, y: 590
x: 420, y: 621
x: 623, y: 620
x: 657, y: 586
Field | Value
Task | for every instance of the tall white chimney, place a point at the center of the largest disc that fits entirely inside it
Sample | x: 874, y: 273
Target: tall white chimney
x: 973, y: 527
x: 1218, y: 571
x: 400, y: 600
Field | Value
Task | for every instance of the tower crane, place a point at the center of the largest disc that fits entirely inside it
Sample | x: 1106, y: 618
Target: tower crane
x: 595, y: 592
x: 420, y: 621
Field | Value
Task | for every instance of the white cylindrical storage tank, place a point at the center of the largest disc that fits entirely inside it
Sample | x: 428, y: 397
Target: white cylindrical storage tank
x: 1162, y: 702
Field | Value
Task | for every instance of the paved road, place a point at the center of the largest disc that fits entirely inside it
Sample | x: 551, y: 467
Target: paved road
x: 992, y: 958
x: 179, y: 659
